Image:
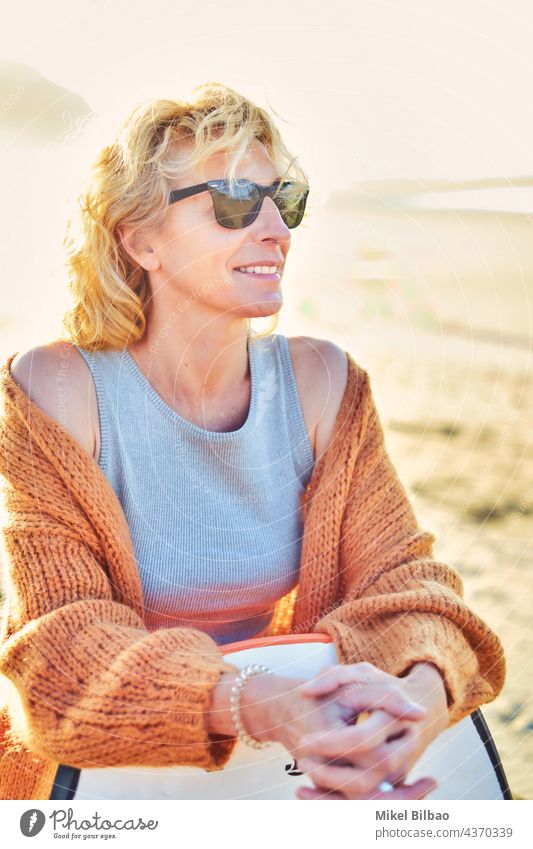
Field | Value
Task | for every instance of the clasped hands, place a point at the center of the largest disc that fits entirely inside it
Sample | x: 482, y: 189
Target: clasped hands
x: 315, y: 722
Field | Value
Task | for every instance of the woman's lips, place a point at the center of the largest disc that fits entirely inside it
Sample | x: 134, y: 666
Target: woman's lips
x: 275, y: 276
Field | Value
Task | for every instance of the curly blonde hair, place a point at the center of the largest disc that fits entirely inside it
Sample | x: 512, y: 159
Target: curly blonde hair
x: 129, y: 183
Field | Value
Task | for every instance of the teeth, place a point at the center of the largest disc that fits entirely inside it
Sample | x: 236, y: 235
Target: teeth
x: 259, y: 269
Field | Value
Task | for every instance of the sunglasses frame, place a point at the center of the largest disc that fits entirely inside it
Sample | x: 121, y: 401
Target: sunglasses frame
x: 212, y: 186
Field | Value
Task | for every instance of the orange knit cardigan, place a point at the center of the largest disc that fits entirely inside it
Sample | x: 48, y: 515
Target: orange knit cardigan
x: 86, y: 684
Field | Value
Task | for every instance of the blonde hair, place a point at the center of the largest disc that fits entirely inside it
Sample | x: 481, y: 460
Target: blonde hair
x: 129, y: 184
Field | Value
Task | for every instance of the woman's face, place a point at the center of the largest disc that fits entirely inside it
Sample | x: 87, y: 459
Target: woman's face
x: 198, y: 258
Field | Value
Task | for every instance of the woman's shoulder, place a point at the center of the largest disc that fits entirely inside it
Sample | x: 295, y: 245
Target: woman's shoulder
x: 321, y: 372
x: 57, y: 379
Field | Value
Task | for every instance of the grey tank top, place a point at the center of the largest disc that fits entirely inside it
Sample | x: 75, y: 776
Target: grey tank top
x: 213, y: 516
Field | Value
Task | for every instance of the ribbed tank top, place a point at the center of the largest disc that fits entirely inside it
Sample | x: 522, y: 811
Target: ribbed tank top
x: 214, y: 517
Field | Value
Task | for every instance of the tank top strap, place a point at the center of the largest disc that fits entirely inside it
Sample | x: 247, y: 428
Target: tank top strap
x: 296, y: 426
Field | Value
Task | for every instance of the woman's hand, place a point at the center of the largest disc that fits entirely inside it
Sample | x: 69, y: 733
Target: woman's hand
x: 274, y: 708
x: 352, y: 762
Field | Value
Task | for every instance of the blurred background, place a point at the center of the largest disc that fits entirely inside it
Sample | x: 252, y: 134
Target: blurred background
x: 413, y: 122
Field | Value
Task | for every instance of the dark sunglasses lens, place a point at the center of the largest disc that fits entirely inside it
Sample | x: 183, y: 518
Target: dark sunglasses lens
x: 235, y: 203
x: 291, y: 200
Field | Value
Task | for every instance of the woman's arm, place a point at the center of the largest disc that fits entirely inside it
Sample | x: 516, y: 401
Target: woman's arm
x: 400, y: 611
x: 93, y: 686
x: 96, y: 688
x: 399, y: 606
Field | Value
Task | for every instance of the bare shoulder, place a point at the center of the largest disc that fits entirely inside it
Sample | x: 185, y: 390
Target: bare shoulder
x: 56, y: 378
x: 321, y: 371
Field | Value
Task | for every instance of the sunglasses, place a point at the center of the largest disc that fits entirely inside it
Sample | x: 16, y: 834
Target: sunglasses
x: 238, y: 204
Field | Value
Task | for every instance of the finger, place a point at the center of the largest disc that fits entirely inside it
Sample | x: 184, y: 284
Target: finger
x: 394, y: 760
x: 350, y: 740
x: 398, y: 757
x: 396, y: 727
x: 419, y: 790
x: 331, y: 677
x: 319, y: 793
x: 405, y: 792
x: 363, y: 784
x: 352, y: 783
x: 381, y: 697
x: 361, y: 692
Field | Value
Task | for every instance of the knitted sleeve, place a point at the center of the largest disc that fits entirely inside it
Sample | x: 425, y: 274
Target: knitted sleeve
x: 398, y: 605
x: 93, y: 686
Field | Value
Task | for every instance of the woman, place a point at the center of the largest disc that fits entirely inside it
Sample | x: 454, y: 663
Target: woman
x: 175, y: 482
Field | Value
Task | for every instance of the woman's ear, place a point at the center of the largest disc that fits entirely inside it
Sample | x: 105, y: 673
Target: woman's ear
x: 136, y: 243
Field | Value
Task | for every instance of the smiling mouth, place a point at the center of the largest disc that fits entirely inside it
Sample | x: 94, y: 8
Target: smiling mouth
x: 263, y: 272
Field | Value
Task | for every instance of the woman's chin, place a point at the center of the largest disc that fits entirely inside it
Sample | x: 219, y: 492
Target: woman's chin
x: 265, y: 308
x: 257, y: 304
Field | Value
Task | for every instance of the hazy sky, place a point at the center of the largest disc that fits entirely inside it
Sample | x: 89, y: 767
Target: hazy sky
x: 408, y: 89
x: 405, y: 88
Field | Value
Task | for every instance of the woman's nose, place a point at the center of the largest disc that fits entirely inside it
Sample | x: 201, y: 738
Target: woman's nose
x: 269, y: 222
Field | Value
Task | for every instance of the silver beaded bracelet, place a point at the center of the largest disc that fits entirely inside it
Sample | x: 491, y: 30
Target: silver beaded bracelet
x: 235, y: 699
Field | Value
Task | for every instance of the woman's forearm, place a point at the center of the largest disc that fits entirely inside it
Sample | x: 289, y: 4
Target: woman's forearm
x: 426, y: 686
x: 425, y: 675
x: 256, y: 701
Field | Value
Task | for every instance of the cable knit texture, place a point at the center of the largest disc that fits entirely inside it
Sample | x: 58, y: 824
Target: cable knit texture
x: 86, y: 684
